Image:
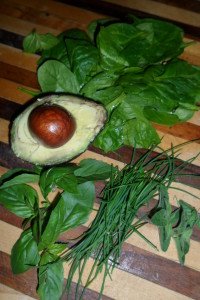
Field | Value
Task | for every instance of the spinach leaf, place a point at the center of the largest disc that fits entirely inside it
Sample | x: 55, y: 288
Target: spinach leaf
x: 57, y: 52
x: 20, y: 199
x: 83, y: 58
x: 35, y: 42
x: 111, y: 137
x: 50, y: 279
x: 71, y: 211
x: 140, y: 132
x: 116, y: 62
x: 54, y: 76
x: 156, y: 41
x: 52, y: 253
x: 24, y: 254
x: 111, y: 40
x: 184, y: 80
x: 61, y: 177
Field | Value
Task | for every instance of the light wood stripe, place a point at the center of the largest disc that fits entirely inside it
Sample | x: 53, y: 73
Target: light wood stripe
x: 187, y: 151
x: 162, y: 10
x: 4, y: 129
x: 123, y: 284
x: 23, y: 27
x: 10, y: 90
x: 191, y: 53
x: 18, y: 58
x: 7, y: 293
x: 71, y: 15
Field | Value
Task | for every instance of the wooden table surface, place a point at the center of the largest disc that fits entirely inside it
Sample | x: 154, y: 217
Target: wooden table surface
x: 143, y: 273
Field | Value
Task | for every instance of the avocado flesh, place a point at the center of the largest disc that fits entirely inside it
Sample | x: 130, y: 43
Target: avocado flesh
x: 90, y: 118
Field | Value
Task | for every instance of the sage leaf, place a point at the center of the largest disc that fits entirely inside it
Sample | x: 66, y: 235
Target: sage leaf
x: 183, y: 230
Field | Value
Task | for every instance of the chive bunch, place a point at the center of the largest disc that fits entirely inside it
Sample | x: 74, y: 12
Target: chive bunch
x: 126, y: 192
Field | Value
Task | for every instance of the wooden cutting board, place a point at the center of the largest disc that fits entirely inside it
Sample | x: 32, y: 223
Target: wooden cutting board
x: 143, y: 273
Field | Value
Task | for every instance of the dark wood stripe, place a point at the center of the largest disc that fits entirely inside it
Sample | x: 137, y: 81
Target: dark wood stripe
x: 187, y: 131
x: 192, y: 5
x: 19, y: 75
x: 26, y: 282
x: 154, y: 268
x: 8, y: 109
x: 119, y: 11
x: 11, y: 39
x: 162, y: 271
x: 9, y: 160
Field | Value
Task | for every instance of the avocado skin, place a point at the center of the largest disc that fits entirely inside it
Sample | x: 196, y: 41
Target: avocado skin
x: 90, y: 118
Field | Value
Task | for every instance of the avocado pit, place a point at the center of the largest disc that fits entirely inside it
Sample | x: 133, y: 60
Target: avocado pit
x: 51, y: 125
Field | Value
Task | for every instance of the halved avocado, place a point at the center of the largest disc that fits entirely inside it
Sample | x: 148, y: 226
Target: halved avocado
x: 89, y: 116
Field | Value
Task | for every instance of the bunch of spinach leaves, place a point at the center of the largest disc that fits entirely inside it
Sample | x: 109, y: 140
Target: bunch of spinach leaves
x: 132, y: 68
x: 38, y: 245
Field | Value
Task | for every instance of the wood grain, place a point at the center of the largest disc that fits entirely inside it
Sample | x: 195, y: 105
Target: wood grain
x: 142, y: 273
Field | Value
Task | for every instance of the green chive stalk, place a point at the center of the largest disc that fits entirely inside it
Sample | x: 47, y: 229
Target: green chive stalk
x: 126, y: 192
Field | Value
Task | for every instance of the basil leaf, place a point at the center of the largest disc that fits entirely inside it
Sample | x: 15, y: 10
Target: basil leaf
x: 61, y: 177
x: 24, y: 254
x: 54, y: 76
x: 93, y: 169
x: 50, y: 279
x: 71, y: 211
x: 35, y: 42
x: 51, y: 253
x: 21, y: 178
x: 20, y: 199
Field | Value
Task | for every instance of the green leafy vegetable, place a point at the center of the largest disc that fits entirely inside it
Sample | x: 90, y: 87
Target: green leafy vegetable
x: 71, y: 211
x: 50, y: 281
x: 25, y: 254
x: 126, y: 191
x: 119, y: 63
x: 35, y: 42
x: 20, y: 199
x: 38, y: 244
x: 60, y: 78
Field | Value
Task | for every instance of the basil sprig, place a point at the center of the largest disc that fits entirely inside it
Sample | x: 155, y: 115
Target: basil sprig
x: 38, y: 245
